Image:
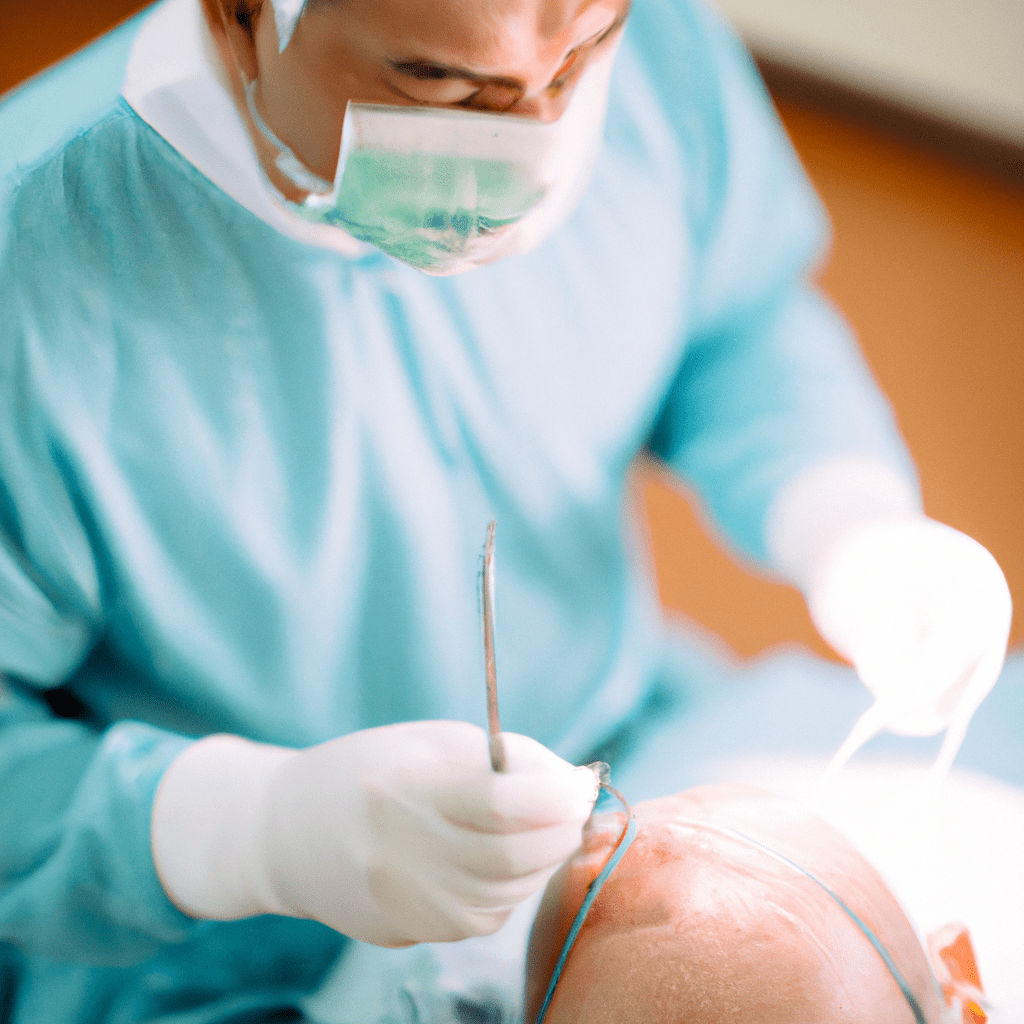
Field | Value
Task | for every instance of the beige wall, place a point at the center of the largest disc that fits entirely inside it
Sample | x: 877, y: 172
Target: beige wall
x: 958, y: 59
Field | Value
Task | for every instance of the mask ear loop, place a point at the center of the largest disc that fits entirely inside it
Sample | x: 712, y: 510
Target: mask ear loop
x: 622, y: 844
x: 286, y: 161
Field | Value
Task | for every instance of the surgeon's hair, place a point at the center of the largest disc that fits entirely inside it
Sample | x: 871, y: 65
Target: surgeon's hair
x: 244, y: 12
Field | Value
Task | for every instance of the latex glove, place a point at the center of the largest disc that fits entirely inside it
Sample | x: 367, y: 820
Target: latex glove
x: 393, y: 835
x: 923, y: 613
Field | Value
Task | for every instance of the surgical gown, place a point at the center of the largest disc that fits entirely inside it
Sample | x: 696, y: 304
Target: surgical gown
x: 244, y: 480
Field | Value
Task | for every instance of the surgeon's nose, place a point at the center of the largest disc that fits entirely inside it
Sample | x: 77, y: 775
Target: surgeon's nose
x: 543, y: 107
x: 544, y: 101
x: 502, y: 99
x: 496, y: 97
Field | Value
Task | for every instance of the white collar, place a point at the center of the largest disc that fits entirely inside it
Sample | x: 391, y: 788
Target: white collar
x: 176, y: 83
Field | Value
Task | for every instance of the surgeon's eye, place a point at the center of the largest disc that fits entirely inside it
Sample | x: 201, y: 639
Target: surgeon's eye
x: 428, y: 83
x: 424, y: 72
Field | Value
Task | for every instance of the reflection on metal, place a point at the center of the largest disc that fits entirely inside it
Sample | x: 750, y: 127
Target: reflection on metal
x: 497, y: 748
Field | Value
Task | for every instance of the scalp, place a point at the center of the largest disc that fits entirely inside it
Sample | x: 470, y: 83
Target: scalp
x: 695, y: 924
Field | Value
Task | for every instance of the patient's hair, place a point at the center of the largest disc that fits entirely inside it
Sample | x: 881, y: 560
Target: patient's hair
x: 709, y: 918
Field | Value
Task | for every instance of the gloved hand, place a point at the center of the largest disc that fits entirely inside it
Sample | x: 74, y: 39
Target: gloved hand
x: 393, y: 835
x: 923, y: 613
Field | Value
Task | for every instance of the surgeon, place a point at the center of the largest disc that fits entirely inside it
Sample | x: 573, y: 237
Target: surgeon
x: 309, y: 296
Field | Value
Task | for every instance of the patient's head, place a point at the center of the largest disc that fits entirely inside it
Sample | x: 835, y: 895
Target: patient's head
x: 697, y: 924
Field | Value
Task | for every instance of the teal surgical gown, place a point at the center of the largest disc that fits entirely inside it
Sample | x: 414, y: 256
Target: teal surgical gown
x: 244, y: 481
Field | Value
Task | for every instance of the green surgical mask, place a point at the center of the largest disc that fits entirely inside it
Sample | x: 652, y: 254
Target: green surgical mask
x: 447, y: 190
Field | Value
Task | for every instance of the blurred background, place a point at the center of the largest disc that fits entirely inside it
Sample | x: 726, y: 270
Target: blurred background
x: 909, y: 117
x: 951, y: 61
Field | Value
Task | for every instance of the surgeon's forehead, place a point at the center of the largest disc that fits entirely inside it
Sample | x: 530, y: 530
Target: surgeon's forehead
x: 484, y: 36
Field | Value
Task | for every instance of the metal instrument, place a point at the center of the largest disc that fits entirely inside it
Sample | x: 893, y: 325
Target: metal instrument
x: 497, y: 748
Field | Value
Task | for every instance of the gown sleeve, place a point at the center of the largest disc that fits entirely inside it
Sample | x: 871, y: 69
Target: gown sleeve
x: 772, y: 381
x: 77, y: 880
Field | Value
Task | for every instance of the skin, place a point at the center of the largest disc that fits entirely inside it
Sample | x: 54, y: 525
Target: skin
x: 695, y: 926
x: 521, y: 57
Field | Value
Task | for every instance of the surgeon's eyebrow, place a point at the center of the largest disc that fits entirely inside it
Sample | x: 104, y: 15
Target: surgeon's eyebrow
x: 428, y: 70
x: 600, y: 37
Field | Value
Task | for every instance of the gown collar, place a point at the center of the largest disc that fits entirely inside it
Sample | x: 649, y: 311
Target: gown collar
x: 176, y: 83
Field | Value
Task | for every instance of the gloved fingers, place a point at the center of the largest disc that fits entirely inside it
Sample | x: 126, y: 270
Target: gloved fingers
x: 974, y: 684
x: 499, y: 902
x: 906, y: 578
x: 446, y: 765
x: 413, y: 839
x: 430, y: 913
x: 496, y: 858
x: 473, y: 922
x: 519, y: 801
x: 458, y: 887
x: 426, y: 746
x: 525, y: 754
x: 486, y: 921
x: 450, y: 896
x: 923, y: 612
x: 923, y: 684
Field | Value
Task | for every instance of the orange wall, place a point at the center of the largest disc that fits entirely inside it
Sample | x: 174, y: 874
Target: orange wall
x: 928, y: 265
x: 39, y: 33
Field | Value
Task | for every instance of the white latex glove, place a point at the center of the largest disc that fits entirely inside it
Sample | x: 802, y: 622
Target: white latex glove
x: 923, y: 613
x: 393, y: 835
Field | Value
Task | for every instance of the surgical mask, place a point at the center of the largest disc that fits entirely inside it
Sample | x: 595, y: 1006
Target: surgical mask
x: 447, y: 190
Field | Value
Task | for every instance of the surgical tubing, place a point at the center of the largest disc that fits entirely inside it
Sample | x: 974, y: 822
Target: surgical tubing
x: 622, y: 845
